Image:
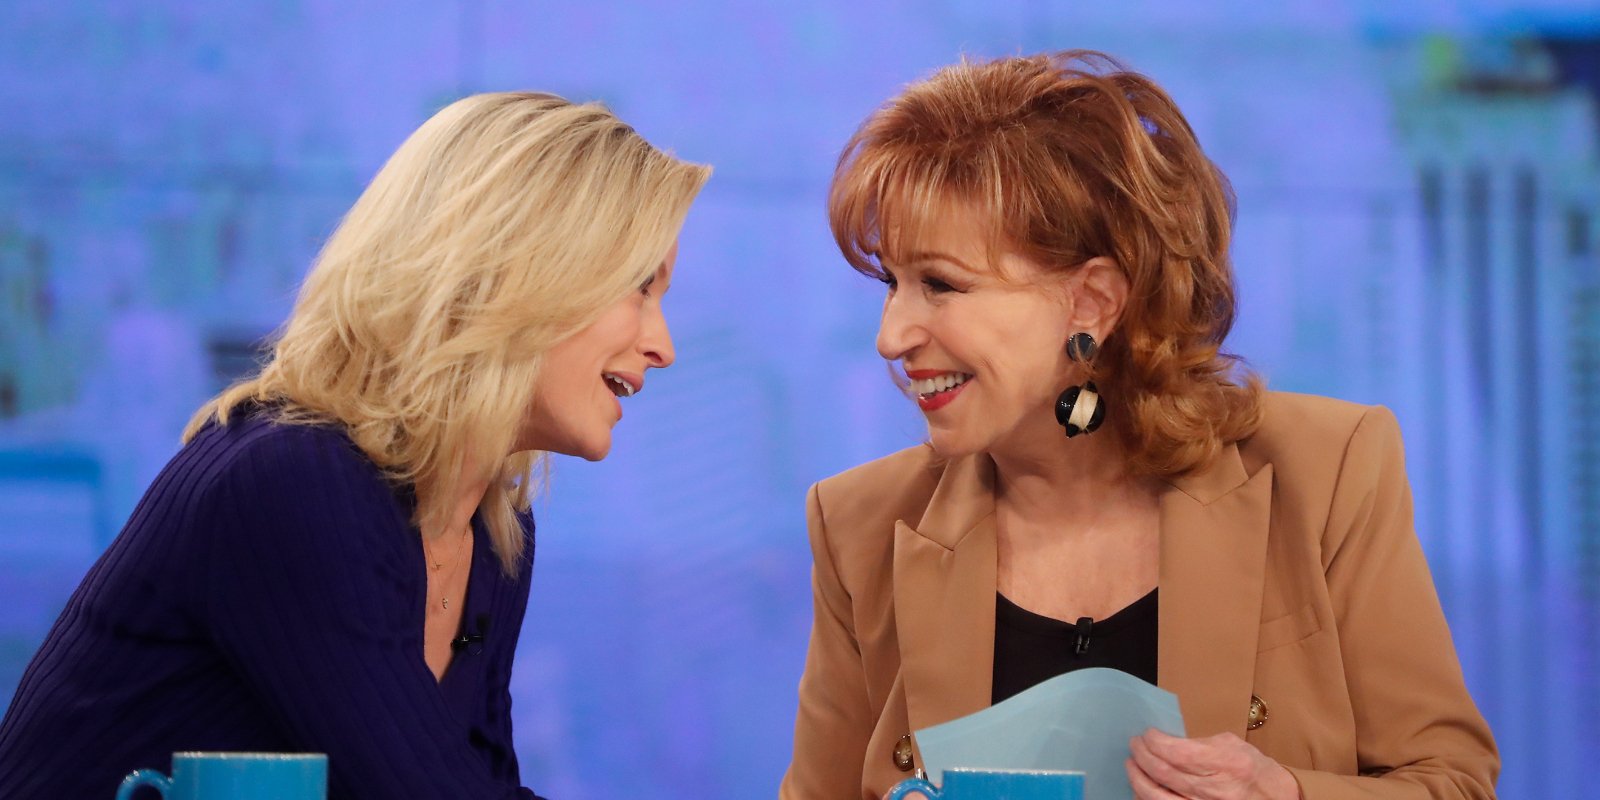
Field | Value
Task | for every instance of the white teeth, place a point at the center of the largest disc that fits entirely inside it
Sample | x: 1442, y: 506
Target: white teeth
x: 623, y: 386
x: 940, y: 383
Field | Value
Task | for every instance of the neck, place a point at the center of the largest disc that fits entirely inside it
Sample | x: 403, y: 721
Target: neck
x: 1056, y: 478
x: 466, y: 504
x: 467, y: 497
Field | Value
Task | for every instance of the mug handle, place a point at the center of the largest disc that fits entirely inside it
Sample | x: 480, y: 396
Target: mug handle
x: 899, y: 791
x: 144, y: 777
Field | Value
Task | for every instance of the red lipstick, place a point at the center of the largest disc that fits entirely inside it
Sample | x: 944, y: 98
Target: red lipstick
x: 938, y: 400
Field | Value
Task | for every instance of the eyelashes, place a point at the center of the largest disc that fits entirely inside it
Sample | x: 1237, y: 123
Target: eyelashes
x: 933, y: 284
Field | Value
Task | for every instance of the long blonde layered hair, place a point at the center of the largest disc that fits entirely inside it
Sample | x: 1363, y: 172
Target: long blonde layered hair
x: 503, y: 225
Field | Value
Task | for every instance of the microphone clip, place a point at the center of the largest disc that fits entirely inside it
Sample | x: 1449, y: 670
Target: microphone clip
x: 472, y: 642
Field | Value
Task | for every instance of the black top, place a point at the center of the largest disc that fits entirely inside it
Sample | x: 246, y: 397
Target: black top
x: 1031, y: 648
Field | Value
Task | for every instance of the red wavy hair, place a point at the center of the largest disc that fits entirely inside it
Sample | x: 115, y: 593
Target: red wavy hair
x: 1072, y: 156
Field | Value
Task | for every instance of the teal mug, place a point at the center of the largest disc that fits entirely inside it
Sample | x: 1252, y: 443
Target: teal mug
x: 236, y: 776
x: 977, y: 784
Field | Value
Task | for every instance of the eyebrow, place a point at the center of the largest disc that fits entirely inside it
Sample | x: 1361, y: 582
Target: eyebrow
x: 925, y: 255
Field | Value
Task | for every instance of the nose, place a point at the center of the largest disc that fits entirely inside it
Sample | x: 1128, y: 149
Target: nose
x: 899, y: 331
x: 655, y: 340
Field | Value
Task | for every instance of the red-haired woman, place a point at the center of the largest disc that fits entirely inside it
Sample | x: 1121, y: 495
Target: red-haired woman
x: 1055, y: 250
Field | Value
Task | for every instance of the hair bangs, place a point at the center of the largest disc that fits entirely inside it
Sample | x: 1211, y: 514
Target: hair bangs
x: 886, y: 200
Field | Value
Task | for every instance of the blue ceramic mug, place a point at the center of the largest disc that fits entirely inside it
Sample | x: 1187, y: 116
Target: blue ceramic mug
x: 977, y: 784
x: 236, y: 776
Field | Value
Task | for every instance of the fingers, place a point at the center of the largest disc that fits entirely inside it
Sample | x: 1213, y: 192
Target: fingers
x: 1191, y: 755
x: 1224, y: 765
x: 1223, y: 754
x: 1158, y: 769
x: 1145, y: 787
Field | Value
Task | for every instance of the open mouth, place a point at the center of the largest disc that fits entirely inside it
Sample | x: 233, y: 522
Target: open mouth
x: 620, y: 386
x: 927, y: 388
x: 935, y: 390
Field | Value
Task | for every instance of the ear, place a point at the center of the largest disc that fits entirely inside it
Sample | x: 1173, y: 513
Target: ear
x: 1098, y: 292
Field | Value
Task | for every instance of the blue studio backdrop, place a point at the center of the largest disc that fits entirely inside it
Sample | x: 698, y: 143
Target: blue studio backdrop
x: 1418, y: 226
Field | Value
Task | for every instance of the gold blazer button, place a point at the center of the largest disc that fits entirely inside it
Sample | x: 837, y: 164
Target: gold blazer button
x: 902, y: 753
x: 1258, y: 713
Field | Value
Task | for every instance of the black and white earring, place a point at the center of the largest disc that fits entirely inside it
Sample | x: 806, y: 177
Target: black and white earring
x: 1079, y: 409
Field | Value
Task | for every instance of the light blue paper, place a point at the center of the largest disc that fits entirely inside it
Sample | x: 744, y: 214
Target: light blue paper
x: 1080, y: 721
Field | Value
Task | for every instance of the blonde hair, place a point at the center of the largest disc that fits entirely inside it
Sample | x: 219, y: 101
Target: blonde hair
x: 503, y: 225
x: 1072, y: 157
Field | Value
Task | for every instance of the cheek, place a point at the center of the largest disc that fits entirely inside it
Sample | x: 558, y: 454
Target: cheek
x: 616, y: 333
x: 559, y: 376
x: 568, y: 381
x: 625, y: 314
x: 586, y: 354
x: 1021, y: 361
x: 1037, y: 339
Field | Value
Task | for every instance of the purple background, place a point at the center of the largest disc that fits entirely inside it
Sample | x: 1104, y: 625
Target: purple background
x: 1418, y: 206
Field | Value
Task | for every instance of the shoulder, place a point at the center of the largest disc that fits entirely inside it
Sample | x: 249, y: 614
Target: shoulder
x: 300, y: 506
x: 254, y: 459
x: 257, y: 477
x: 1299, y: 430
x: 258, y: 450
x: 1329, y: 458
x: 851, y: 516
x: 896, y: 486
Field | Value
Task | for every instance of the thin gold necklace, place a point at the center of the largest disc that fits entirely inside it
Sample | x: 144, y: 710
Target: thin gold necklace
x: 444, y: 602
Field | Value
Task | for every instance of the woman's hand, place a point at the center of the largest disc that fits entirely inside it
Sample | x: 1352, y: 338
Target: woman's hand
x: 1221, y: 767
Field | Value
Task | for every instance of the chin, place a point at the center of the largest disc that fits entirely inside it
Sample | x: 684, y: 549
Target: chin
x: 951, y: 444
x: 588, y: 451
x: 598, y: 449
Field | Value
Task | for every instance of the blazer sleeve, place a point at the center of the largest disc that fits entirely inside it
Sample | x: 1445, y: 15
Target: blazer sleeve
x: 313, y: 602
x: 1418, y: 732
x: 834, y: 721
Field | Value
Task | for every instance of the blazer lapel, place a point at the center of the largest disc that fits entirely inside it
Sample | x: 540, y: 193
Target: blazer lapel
x: 1214, y: 528
x: 944, y: 587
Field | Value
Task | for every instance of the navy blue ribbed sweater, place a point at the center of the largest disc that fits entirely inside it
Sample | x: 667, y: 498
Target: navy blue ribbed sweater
x: 268, y: 594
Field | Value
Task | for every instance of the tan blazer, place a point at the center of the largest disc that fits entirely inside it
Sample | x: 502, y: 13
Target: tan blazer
x: 1289, y: 572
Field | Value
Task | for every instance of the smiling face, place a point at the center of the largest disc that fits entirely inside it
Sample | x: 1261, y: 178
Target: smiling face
x: 981, y: 338
x: 577, y: 400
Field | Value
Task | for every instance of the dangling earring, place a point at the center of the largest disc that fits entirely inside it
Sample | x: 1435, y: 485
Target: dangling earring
x: 1079, y: 409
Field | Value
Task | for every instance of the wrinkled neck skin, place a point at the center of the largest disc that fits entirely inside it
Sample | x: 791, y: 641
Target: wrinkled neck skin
x: 1042, y: 476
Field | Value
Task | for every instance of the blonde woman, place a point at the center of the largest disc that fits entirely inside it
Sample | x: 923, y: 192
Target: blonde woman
x: 338, y: 559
